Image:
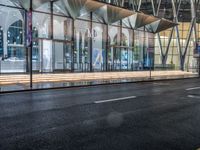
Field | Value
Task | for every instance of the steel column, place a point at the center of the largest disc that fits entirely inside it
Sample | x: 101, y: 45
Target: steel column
x: 31, y: 43
x: 91, y: 44
x: 107, y: 46
x: 73, y: 45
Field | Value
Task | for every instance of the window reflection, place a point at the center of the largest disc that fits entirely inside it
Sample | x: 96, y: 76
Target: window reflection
x: 82, y: 46
x: 99, y: 46
x: 42, y: 23
x: 12, y: 43
x: 15, y: 41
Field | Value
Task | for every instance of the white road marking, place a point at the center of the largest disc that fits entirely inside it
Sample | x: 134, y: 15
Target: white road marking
x: 159, y: 84
x: 112, y: 100
x: 194, y: 88
x: 193, y: 96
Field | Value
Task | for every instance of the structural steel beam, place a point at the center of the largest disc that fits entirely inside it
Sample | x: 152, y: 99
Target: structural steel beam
x: 111, y: 14
x: 139, y: 20
x: 160, y: 25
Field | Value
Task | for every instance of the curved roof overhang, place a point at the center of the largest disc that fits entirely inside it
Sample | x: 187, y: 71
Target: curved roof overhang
x: 160, y: 25
x: 111, y: 14
x: 77, y: 8
x: 108, y: 13
x: 139, y: 20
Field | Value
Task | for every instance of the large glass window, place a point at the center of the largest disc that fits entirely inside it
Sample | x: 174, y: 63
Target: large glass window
x: 138, y: 62
x: 82, y: 46
x: 52, y: 54
x: 13, y: 52
x: 42, y: 6
x: 114, y: 57
x: 35, y: 53
x: 15, y: 39
x: 149, y: 50
x: 127, y: 39
x: 99, y: 37
x: 62, y: 33
x: 42, y: 22
x: 12, y: 43
x: 62, y: 28
x: 42, y: 46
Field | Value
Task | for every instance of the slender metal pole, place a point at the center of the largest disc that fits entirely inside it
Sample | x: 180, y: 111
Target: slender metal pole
x: 51, y: 7
x: 150, y: 63
x: 52, y: 36
x: 121, y: 44
x: 199, y: 66
x: 73, y: 45
x: 143, y: 48
x: 0, y: 64
x: 91, y: 44
x: 133, y: 49
x: 31, y: 42
x: 26, y: 44
x: 107, y: 46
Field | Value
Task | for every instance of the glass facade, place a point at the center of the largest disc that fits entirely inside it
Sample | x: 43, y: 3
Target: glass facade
x: 61, y: 43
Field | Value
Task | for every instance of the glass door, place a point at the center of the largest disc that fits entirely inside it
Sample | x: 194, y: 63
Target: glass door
x: 127, y: 58
x: 117, y: 58
x: 46, y: 65
x: 124, y: 58
x: 42, y: 55
x: 58, y: 55
x: 62, y: 56
x: 114, y: 58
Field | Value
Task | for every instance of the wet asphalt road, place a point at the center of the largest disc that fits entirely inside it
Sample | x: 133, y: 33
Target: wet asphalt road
x: 138, y: 116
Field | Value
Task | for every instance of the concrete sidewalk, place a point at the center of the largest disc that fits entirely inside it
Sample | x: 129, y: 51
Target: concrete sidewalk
x: 98, y: 76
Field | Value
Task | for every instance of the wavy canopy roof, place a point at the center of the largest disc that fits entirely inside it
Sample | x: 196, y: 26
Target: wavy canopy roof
x: 111, y: 14
x: 77, y: 8
x: 160, y: 25
x: 108, y: 13
x: 139, y: 20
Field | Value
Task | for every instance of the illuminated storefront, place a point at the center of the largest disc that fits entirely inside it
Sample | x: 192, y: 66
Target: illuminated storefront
x: 67, y: 37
